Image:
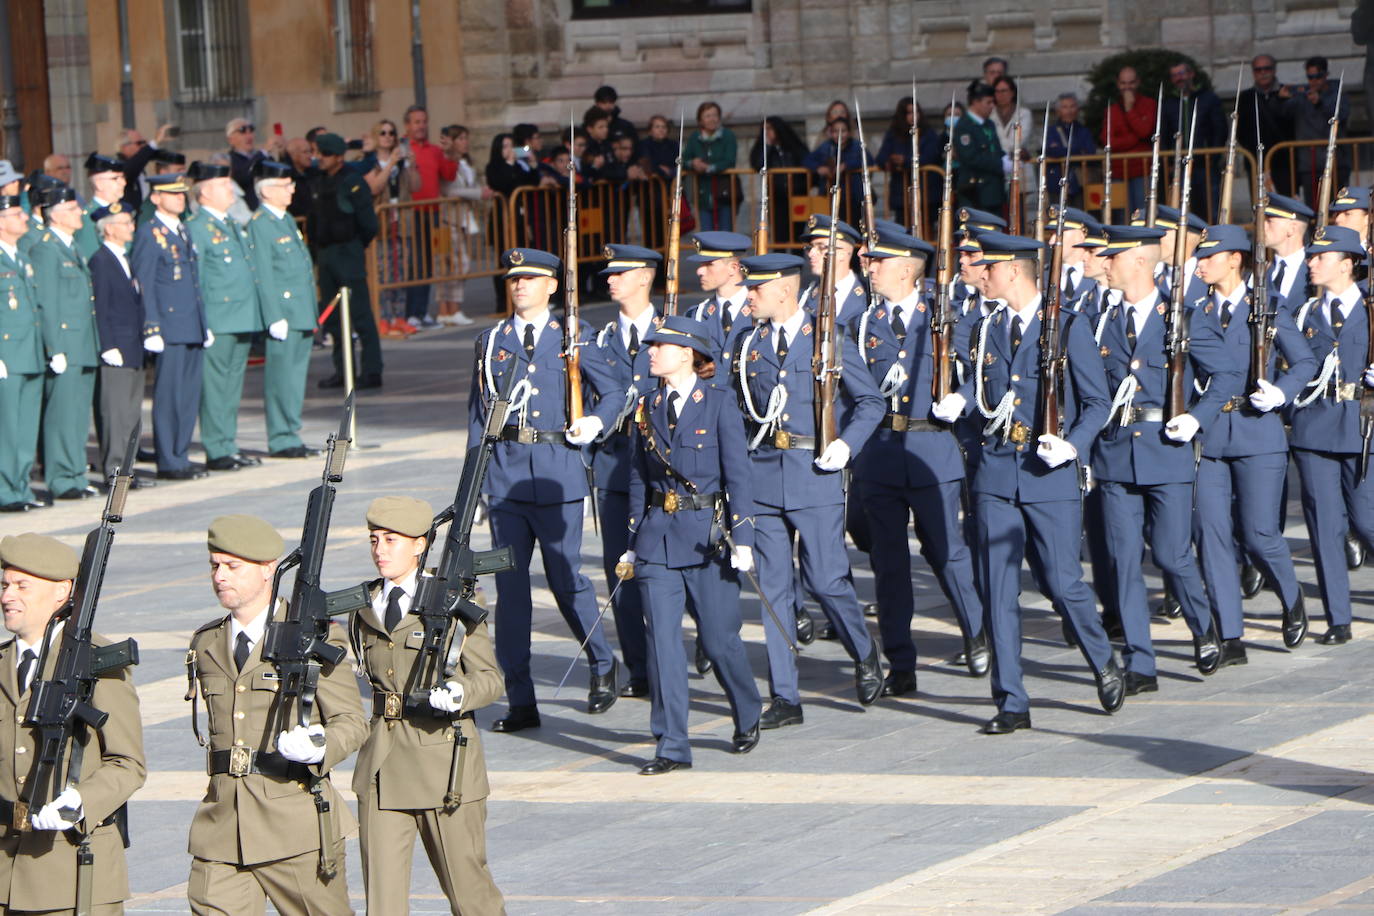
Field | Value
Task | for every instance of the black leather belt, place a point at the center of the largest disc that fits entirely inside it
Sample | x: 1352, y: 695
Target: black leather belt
x: 901, y: 423
x: 527, y: 435
x: 241, y: 761
x: 672, y: 501
x: 15, y: 816
x: 1133, y: 415
x: 784, y: 440
x: 395, y: 706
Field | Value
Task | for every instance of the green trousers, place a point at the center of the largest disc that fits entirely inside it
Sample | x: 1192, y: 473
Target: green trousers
x: 283, y: 384
x: 21, y: 402
x: 221, y: 390
x: 68, y: 400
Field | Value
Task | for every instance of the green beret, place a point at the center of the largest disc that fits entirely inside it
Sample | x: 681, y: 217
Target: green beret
x: 401, y: 514
x: 245, y: 536
x: 39, y: 555
x: 330, y: 144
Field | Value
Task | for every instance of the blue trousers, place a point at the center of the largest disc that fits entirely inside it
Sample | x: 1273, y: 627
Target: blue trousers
x: 1333, y: 503
x: 1256, y: 483
x: 936, y: 511
x: 715, y: 594
x: 628, y: 607
x: 1095, y: 536
x: 558, y: 529
x: 824, y: 565
x: 1005, y: 528
x: 1168, y: 507
x: 176, y: 403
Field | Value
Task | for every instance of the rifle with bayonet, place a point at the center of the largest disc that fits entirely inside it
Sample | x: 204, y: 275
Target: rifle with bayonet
x: 572, y: 357
x: 1014, y: 222
x: 1051, y: 389
x: 1107, y: 173
x: 1152, y: 196
x: 1228, y: 173
x: 1176, y: 185
x: 61, y: 705
x: 1042, y: 180
x: 297, y: 643
x: 870, y: 218
x: 825, y: 357
x: 1263, y: 310
x: 918, y: 218
x: 670, y: 282
x: 761, y: 230
x: 1176, y: 339
x: 1323, y: 202
x: 942, y: 320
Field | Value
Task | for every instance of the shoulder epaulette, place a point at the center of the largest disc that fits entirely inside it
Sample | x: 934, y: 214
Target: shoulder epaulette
x: 212, y: 625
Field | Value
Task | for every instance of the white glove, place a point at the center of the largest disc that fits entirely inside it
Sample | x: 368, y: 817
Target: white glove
x: 4, y: 373
x: 209, y: 338
x: 298, y: 745
x: 448, y: 698
x: 1006, y: 165
x: 48, y: 817
x: 153, y: 343
x: 1182, y: 428
x: 1369, y: 375
x: 742, y: 558
x: 1055, y: 451
x: 58, y: 363
x: 835, y: 456
x: 950, y: 408
x: 479, y: 515
x: 628, y: 556
x: 113, y: 357
x: 1268, y: 396
x: 585, y: 430
x: 278, y: 329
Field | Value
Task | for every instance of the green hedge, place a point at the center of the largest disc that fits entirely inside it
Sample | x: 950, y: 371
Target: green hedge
x: 1153, y: 66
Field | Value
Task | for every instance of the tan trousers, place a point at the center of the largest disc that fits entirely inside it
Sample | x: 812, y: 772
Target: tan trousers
x: 456, y: 843
x: 293, y: 885
x: 97, y: 909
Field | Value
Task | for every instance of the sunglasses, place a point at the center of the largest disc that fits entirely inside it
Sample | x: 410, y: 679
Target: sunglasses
x: 386, y: 133
x: 1263, y: 69
x: 246, y: 129
x: 1316, y: 76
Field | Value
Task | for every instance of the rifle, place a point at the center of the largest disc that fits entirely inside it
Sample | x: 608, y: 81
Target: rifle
x: 1152, y: 196
x: 942, y: 319
x: 1051, y: 390
x: 1228, y: 174
x: 825, y: 359
x: 1107, y: 173
x: 1176, y: 343
x: 670, y: 278
x: 572, y: 359
x: 297, y: 645
x: 60, y: 707
x: 918, y: 218
x: 1323, y: 201
x: 1041, y: 186
x: 1176, y: 185
x: 1014, y: 224
x: 761, y: 230
x: 1263, y: 312
x: 870, y: 218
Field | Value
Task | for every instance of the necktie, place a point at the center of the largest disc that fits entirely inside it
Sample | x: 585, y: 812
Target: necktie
x: 898, y: 325
x: 672, y: 409
x: 1070, y: 282
x: 1334, y: 313
x: 529, y: 340
x: 727, y: 321
x: 1130, y: 325
x: 782, y: 344
x: 1226, y: 314
x: 1015, y: 333
x: 633, y: 348
x: 393, y: 609
x: 25, y: 666
x: 241, y: 650
x: 1279, y: 270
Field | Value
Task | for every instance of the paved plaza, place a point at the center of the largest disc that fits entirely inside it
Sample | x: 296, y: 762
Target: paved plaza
x: 1248, y: 792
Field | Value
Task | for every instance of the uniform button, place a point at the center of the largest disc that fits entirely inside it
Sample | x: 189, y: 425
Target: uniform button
x: 64, y: 325
x: 20, y: 779
x: 286, y: 295
x: 238, y: 742
x: 1135, y: 364
x: 782, y: 373
x: 535, y: 414
x: 390, y: 672
x: 239, y: 688
x: 1017, y: 401
x: 786, y: 417
x: 1016, y: 378
x: 534, y: 391
x: 238, y: 715
x: 636, y: 378
x: 901, y: 354
x: 1136, y: 434
x: 21, y: 750
x: 391, y: 645
x: 906, y: 398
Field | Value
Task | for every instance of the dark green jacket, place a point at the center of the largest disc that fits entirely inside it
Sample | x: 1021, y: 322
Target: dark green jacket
x: 978, y: 175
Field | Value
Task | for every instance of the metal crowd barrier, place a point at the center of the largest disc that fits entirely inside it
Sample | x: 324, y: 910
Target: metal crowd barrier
x: 1295, y: 166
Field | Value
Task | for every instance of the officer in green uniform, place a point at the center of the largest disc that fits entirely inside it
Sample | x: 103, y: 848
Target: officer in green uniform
x: 107, y: 187
x: 341, y: 225
x: 980, y: 164
x: 67, y: 304
x: 286, y: 285
x: 21, y: 361
x: 36, y: 186
x: 229, y: 289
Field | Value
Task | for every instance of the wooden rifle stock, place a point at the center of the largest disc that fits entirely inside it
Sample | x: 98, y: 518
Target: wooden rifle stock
x: 918, y: 218
x: 825, y: 352
x: 1262, y: 313
x: 572, y: 359
x: 1014, y: 220
x: 1176, y: 398
x: 670, y: 282
x: 1323, y: 202
x: 1051, y: 358
x: 761, y: 229
x: 942, y: 321
x: 1228, y: 174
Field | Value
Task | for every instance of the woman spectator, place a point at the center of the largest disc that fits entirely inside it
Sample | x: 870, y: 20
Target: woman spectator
x: 460, y: 219
x: 392, y: 179
x: 894, y: 157
x: 949, y: 116
x: 836, y: 109
x: 1007, y: 112
x: 659, y: 150
x: 785, y: 151
x: 709, y: 153
x: 821, y: 161
x: 504, y: 176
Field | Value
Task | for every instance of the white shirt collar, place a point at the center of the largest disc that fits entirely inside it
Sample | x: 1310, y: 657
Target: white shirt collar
x: 1292, y: 264
x: 407, y: 587
x: 254, y: 628
x: 21, y: 647
x: 171, y: 222
x: 1026, y: 315
x: 844, y: 286
x: 976, y: 119
x: 792, y: 325
x: 683, y: 393
x: 222, y: 217
x: 279, y: 214
x: 1347, y: 301
x: 735, y: 302
x: 538, y: 322
x: 1235, y: 297
x: 643, y: 323
x: 1140, y: 311
x: 906, y: 306
x: 66, y: 239
x: 11, y: 250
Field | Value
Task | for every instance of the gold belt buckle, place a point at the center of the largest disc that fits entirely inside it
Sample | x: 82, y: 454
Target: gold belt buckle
x: 240, y: 761
x: 670, y: 502
x: 1345, y: 391
x: 526, y: 435
x: 1020, y: 432
x: 900, y: 422
x: 782, y: 439
x: 393, y: 706
x: 21, y: 817
x: 1228, y: 407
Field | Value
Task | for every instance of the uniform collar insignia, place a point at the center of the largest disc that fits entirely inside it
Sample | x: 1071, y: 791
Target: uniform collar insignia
x: 697, y: 396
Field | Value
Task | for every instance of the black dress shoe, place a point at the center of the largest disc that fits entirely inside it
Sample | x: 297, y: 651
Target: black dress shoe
x: 222, y: 463
x: 703, y: 662
x: 181, y: 474
x: 744, y: 742
x: 871, y: 609
x: 780, y: 713
x: 295, y: 451
x: 1111, y: 687
x: 806, y: 627
x: 371, y: 380
x: 1251, y: 581
x: 1004, y: 723
x: 334, y: 381
x: 899, y: 683
x: 1140, y: 683
x: 246, y: 461
x: 601, y: 695
x: 141, y: 483
x: 15, y: 507
x: 1336, y: 635
x: 1232, y: 653
x: 147, y: 456
x: 77, y: 493
x: 1170, y: 607
x: 517, y: 719
x: 976, y: 655
x: 635, y: 689
x: 827, y: 631
x: 1295, y: 623
x: 1207, y: 651
x: 660, y: 765
x: 868, y: 678
x: 1354, y: 551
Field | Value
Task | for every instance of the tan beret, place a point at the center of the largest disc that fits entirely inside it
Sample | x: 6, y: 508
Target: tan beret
x: 401, y: 514
x: 38, y: 555
x: 245, y: 536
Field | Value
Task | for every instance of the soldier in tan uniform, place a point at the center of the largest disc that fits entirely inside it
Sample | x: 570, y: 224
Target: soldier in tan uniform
x: 38, y: 859
x: 257, y: 834
x: 404, y: 770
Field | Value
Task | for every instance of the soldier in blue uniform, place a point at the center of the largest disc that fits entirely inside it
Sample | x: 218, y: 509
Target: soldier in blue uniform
x: 1326, y: 438
x: 1286, y: 221
x: 716, y: 256
x: 1167, y: 219
x: 21, y: 361
x: 851, y: 293
x: 690, y: 486
x: 911, y: 466
x: 798, y: 490
x: 536, y: 484
x: 62, y: 282
x: 1028, y: 491
x: 616, y: 364
x: 174, y: 324
x: 1245, y: 452
x: 1076, y: 286
x: 1143, y: 461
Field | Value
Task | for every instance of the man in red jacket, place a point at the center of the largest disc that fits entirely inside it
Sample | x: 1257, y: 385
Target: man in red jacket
x: 433, y: 167
x: 1132, y: 120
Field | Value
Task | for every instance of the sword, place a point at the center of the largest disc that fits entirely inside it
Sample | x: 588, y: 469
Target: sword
x: 763, y: 599
x: 624, y: 572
